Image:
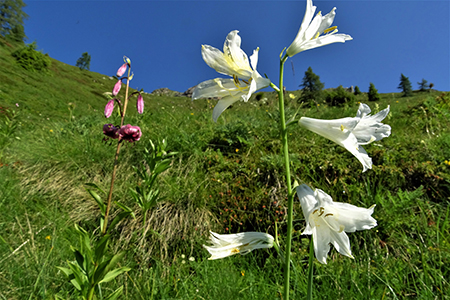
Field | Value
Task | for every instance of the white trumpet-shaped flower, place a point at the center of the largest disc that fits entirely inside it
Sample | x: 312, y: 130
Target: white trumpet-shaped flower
x: 233, y: 62
x: 329, y: 221
x: 351, y: 133
x: 309, y: 36
x: 224, y: 245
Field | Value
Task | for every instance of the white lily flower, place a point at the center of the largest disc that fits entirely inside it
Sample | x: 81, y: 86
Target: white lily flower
x: 329, y: 221
x: 351, y: 133
x: 224, y: 245
x: 309, y: 35
x: 233, y: 62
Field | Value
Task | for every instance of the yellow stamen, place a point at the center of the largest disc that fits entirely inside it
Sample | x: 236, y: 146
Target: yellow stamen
x: 330, y: 29
x: 342, y: 127
x: 316, y: 36
x: 235, y: 250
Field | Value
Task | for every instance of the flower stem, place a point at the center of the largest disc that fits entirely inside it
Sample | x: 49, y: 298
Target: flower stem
x: 116, y: 159
x: 288, y: 181
x: 310, y: 270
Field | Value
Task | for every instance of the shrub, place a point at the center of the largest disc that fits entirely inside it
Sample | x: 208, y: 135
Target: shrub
x: 31, y: 59
x: 373, y: 93
x: 339, y: 97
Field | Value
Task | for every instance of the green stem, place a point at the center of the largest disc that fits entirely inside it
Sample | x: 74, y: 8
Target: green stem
x: 288, y: 181
x: 310, y: 270
x: 91, y: 293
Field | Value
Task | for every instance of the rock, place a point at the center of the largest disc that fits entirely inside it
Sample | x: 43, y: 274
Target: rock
x: 166, y: 92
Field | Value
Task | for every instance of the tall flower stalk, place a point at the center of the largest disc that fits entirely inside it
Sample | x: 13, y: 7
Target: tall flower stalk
x: 123, y: 132
x: 327, y: 221
x: 284, y: 141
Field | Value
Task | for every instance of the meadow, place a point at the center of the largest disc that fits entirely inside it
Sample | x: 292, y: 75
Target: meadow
x: 226, y: 177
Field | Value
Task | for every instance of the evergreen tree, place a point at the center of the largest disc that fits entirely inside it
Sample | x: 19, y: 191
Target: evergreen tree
x: 423, y: 85
x: 11, y: 19
x: 405, y: 86
x: 357, y: 91
x: 373, y: 93
x: 84, y: 62
x: 311, y: 86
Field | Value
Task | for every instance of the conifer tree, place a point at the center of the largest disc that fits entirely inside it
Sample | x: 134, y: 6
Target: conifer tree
x: 373, y: 93
x: 311, y: 86
x: 405, y: 86
x: 11, y: 19
x: 84, y: 62
x: 357, y: 91
x: 423, y: 85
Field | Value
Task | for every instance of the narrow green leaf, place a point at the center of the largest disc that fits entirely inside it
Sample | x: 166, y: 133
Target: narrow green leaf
x: 99, y: 200
x: 101, y: 248
x: 114, y: 273
x: 66, y: 271
x: 115, y: 294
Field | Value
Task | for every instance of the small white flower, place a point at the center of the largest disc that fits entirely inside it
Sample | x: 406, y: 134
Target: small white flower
x: 233, y: 62
x: 191, y: 258
x: 329, y: 221
x: 309, y: 35
x: 351, y: 133
x: 224, y: 245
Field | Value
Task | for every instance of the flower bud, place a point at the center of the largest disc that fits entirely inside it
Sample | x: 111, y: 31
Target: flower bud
x: 140, y: 104
x: 117, y: 87
x: 110, y: 131
x: 130, y: 133
x: 127, y: 60
x: 109, y: 108
x: 122, y: 70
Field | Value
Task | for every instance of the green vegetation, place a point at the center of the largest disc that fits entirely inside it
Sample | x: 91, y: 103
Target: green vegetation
x: 226, y: 177
x: 84, y: 62
x: 11, y: 20
x: 311, y: 87
x: 373, y: 93
x: 405, y: 86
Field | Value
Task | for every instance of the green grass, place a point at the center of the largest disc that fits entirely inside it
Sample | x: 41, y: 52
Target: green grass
x: 227, y: 177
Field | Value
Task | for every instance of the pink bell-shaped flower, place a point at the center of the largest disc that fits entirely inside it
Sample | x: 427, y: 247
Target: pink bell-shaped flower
x: 109, y: 108
x: 117, y: 87
x: 140, y: 104
x: 111, y: 131
x: 122, y: 70
x: 130, y: 133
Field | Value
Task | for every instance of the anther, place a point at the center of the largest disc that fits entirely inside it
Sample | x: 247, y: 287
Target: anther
x: 330, y: 29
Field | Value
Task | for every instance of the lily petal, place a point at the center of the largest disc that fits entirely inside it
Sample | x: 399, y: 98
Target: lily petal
x: 351, y: 133
x: 223, y: 104
x: 233, y: 62
x: 308, y: 36
x: 328, y: 221
x: 224, y: 245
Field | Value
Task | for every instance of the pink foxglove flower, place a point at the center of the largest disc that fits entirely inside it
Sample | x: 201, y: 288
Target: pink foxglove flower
x: 117, y: 87
x: 109, y: 108
x: 140, y: 104
x: 110, y: 131
x: 130, y: 133
x: 122, y: 70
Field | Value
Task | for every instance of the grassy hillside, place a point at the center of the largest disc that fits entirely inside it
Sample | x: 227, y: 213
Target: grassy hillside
x: 226, y: 176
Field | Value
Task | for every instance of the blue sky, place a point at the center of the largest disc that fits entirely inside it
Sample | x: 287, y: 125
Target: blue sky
x: 163, y: 39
